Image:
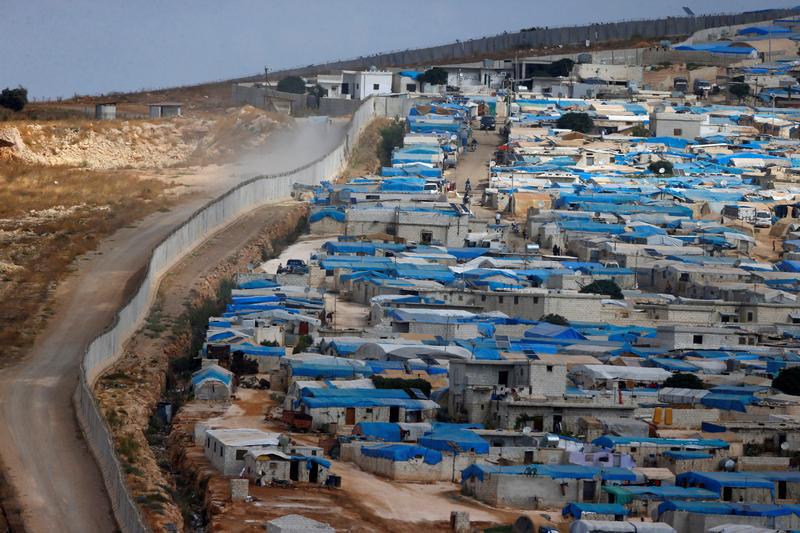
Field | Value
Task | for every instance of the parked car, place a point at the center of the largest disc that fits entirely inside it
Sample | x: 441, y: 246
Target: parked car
x: 294, y: 266
x: 701, y: 87
x: 763, y: 219
x: 488, y: 122
x: 679, y: 83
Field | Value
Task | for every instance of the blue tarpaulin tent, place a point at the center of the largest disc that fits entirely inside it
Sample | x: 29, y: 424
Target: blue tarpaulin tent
x: 576, y: 510
x: 455, y: 440
x: 385, y: 431
x: 402, y: 452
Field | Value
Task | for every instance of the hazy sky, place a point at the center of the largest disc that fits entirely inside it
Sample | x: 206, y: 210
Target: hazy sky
x: 62, y: 47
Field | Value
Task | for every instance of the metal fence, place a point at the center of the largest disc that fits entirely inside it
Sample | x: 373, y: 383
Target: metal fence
x: 106, y: 349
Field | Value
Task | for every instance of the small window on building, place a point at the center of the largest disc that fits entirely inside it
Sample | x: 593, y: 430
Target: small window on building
x: 483, y: 297
x: 590, y: 160
x: 536, y: 299
x: 549, y: 368
x: 742, y: 340
x: 482, y: 406
x: 500, y: 299
x: 677, y: 132
x: 208, y: 442
x: 221, y: 452
x: 411, y: 87
x: 376, y: 86
x: 368, y: 410
x: 516, y: 300
x: 633, y: 449
x: 749, y: 316
x: 697, y: 339
x: 460, y: 297
x: 684, y: 276
x: 426, y: 237
x: 240, y: 455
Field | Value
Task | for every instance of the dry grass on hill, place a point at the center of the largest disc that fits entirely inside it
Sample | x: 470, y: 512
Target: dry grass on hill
x: 48, y: 217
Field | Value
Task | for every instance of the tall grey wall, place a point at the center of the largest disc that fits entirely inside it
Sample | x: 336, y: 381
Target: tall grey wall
x: 550, y: 37
x: 106, y: 349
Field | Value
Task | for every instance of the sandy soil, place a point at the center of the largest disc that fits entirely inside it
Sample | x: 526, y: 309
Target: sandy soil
x: 41, y: 435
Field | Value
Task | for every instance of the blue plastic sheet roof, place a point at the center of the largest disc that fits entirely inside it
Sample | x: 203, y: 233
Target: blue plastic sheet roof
x: 454, y: 440
x: 726, y: 508
x: 551, y: 471
x: 385, y: 431
x: 664, y: 492
x: 403, y: 452
x: 715, y: 481
x: 258, y: 284
x: 687, y: 456
x: 211, y: 373
x: 335, y: 214
x: 612, y: 441
x: 545, y: 329
x: 575, y: 510
x: 716, y: 48
x: 727, y: 402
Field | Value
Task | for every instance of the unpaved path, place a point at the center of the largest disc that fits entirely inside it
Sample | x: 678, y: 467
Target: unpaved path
x: 475, y: 165
x: 55, y: 478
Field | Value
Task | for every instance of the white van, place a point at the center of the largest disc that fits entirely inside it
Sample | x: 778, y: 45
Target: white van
x: 763, y: 219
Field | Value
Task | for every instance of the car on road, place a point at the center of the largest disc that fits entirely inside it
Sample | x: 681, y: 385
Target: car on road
x: 488, y: 123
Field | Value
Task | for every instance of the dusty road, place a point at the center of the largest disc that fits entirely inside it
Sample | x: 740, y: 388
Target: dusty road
x: 474, y: 165
x: 55, y: 478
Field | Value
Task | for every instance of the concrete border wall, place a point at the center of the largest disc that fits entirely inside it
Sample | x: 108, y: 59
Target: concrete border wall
x: 603, y: 33
x: 106, y: 349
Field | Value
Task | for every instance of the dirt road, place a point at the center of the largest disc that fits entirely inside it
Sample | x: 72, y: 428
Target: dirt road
x: 474, y: 165
x: 55, y: 478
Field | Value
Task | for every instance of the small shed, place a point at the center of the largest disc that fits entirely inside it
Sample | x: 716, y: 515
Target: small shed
x: 105, y: 111
x: 165, y: 109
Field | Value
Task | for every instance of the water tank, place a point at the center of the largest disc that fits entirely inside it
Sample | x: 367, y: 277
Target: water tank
x: 657, y: 416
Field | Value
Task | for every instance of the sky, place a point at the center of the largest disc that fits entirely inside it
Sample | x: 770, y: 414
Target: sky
x: 66, y: 47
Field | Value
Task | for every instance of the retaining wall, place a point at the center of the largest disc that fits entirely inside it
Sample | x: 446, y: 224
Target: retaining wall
x: 106, y: 349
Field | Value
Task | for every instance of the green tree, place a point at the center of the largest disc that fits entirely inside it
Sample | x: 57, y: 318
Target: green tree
x: 303, y: 343
x: 684, y: 381
x: 14, y: 99
x: 739, y: 90
x: 292, y: 84
x: 788, y: 381
x: 433, y: 76
x: 656, y: 168
x: 580, y: 122
x: 604, y: 286
x: 553, y: 318
x: 318, y: 90
x: 640, y: 131
x: 391, y: 137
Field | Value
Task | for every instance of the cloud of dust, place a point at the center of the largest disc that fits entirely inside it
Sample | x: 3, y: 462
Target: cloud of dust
x: 302, y: 141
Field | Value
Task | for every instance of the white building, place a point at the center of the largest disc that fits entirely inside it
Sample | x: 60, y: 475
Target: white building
x: 226, y: 448
x: 366, y: 83
x: 331, y: 83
